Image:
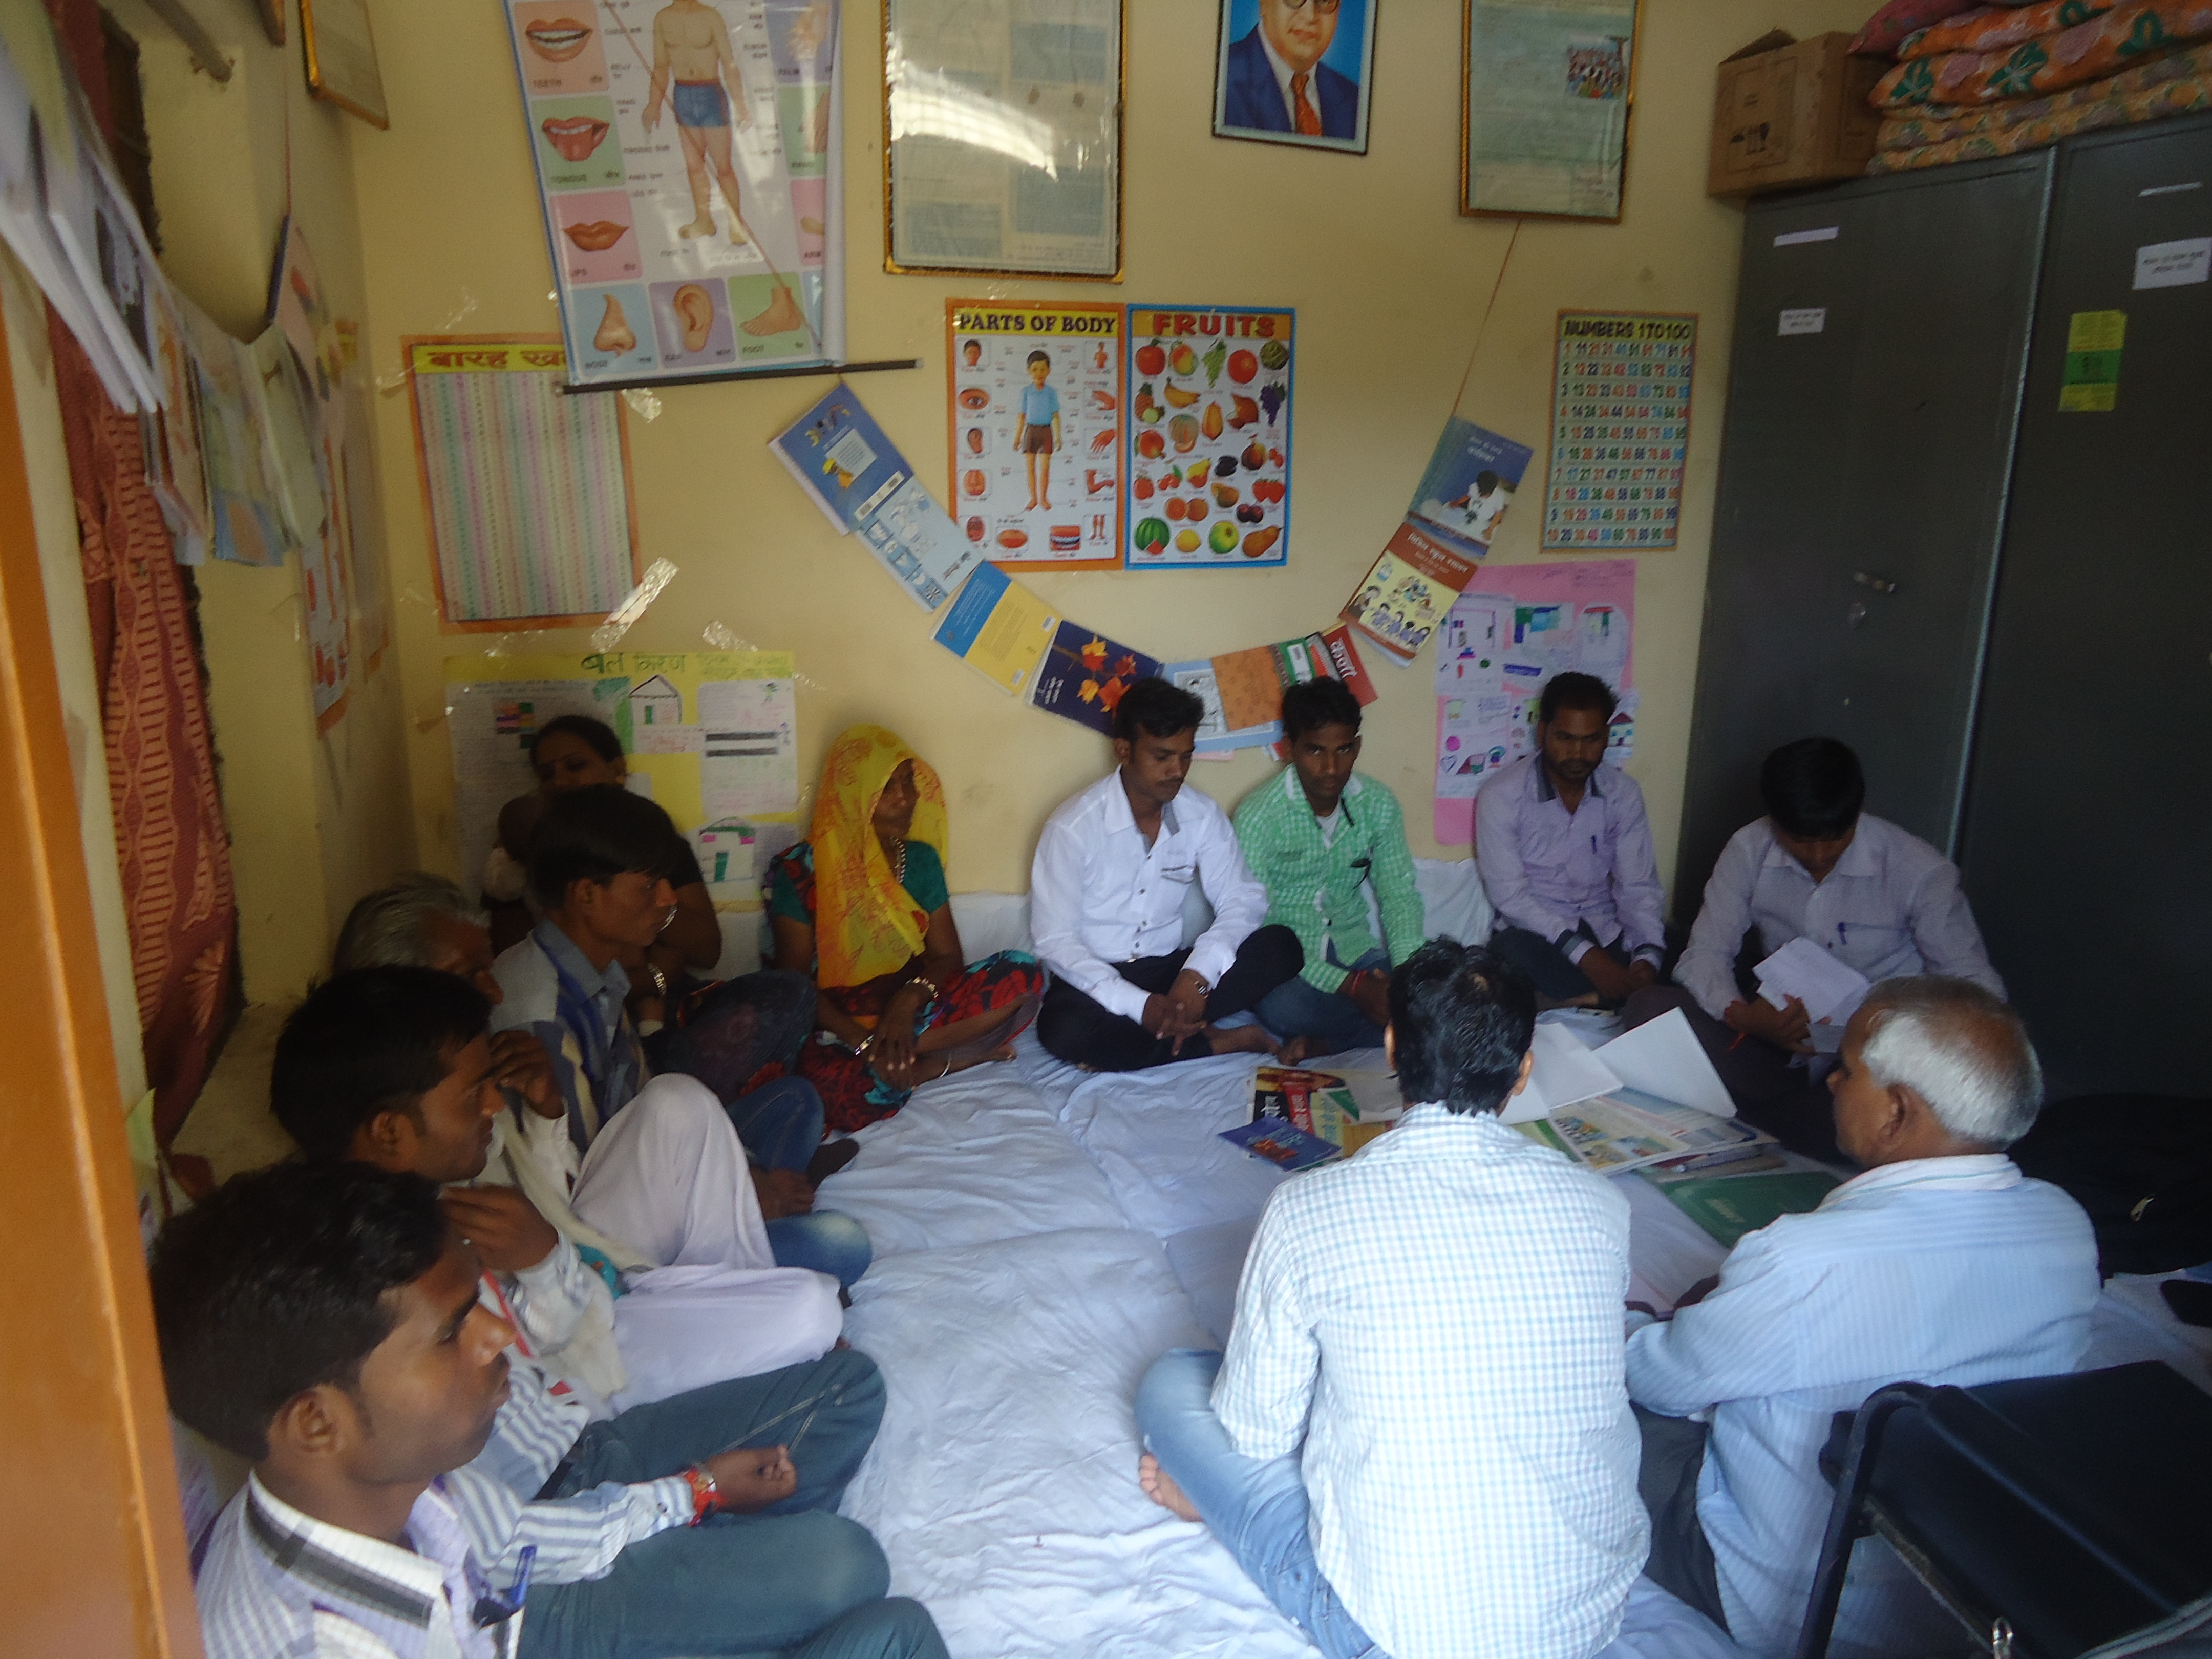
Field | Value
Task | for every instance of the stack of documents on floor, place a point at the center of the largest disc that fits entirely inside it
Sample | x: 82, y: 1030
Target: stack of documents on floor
x: 1830, y: 990
x: 1649, y: 1097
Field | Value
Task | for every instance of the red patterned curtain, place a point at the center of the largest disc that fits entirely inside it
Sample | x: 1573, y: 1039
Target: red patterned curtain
x: 169, y: 835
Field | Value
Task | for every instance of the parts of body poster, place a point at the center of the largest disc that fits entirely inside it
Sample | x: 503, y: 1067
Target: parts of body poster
x: 687, y: 155
x: 1035, y: 428
x: 1208, y: 453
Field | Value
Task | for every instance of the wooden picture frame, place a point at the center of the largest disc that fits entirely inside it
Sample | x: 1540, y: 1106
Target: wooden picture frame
x: 272, y: 13
x: 341, y: 51
x: 954, y: 205
x: 1534, y: 89
x: 1246, y: 85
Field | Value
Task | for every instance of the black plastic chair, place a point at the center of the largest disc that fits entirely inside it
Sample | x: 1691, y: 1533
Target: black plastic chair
x: 2058, y: 1518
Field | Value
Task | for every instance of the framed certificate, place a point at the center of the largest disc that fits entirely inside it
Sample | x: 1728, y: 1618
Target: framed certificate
x: 1545, y: 91
x: 1002, y: 137
x: 342, y: 66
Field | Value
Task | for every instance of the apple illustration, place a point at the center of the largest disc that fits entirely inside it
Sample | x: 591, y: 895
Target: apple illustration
x: 1151, y: 359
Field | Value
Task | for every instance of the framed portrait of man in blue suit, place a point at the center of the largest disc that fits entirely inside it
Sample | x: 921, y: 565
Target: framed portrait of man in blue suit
x: 1295, y: 72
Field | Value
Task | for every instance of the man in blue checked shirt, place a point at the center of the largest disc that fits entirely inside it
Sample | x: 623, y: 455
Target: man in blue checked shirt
x: 324, y: 1323
x: 1419, y: 1442
x: 1941, y: 1264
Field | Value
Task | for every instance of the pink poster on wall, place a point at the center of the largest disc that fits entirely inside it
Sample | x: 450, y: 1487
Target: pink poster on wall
x: 1499, y: 645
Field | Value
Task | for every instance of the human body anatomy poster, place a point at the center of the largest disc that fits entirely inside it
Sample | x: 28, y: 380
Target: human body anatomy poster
x: 1620, y: 429
x: 1208, y: 449
x: 687, y: 155
x: 1500, y: 644
x: 1034, y: 402
x: 713, y: 737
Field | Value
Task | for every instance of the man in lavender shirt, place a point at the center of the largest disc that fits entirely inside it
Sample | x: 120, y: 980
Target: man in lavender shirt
x: 1817, y: 867
x: 1564, y: 851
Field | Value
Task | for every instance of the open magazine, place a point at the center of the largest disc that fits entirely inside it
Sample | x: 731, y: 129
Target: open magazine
x: 1627, y: 1129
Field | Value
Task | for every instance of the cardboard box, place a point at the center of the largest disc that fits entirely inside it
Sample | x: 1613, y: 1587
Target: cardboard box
x: 1791, y: 112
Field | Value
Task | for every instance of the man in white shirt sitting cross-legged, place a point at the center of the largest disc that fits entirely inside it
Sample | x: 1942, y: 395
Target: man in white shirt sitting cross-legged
x: 1419, y: 1444
x: 1107, y: 887
x: 1941, y: 1264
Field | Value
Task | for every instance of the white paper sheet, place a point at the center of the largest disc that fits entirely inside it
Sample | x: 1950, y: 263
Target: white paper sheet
x: 748, y: 761
x: 1830, y: 990
x: 1566, y: 1074
x: 1663, y: 1058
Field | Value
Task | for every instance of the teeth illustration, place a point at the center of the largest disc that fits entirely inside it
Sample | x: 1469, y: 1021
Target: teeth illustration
x: 695, y: 311
x: 614, y: 333
x: 558, y: 39
x: 597, y: 236
x: 574, y: 137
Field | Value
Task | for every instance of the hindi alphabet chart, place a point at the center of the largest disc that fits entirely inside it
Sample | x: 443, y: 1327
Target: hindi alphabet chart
x: 1620, y: 429
x: 1034, y: 402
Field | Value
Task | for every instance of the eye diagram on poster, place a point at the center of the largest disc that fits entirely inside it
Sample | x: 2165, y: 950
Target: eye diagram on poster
x: 1208, y: 450
x: 687, y: 154
x: 1034, y: 402
x: 1620, y: 429
x: 1294, y: 74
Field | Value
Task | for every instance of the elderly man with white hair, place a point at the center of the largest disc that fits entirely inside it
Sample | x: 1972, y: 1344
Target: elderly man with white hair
x: 1940, y: 1263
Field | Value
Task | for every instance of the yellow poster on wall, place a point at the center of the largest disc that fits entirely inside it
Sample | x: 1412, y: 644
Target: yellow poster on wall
x: 711, y: 736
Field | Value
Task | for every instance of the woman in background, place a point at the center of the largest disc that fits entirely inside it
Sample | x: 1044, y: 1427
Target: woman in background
x: 862, y: 907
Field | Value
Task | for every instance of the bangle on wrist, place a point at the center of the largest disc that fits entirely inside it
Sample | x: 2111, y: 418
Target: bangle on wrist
x: 706, y: 1496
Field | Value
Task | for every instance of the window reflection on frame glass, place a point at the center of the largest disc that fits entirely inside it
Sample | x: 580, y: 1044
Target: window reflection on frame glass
x: 1002, y: 137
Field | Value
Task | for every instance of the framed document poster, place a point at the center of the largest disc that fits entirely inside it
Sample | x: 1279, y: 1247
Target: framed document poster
x: 1546, y: 90
x: 1002, y: 137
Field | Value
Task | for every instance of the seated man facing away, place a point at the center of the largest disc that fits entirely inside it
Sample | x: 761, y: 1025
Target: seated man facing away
x: 1320, y: 838
x: 392, y: 1067
x: 598, y: 868
x: 1565, y: 851
x: 1419, y: 1444
x: 1107, y: 887
x: 324, y: 1323
x: 1941, y: 1264
x: 1818, y: 868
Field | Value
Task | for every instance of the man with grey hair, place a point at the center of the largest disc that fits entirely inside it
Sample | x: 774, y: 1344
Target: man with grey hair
x: 1940, y: 1263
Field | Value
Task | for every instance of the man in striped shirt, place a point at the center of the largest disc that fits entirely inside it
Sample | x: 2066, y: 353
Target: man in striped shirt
x: 1419, y: 1444
x: 324, y: 1323
x: 1939, y: 1264
x: 1321, y: 838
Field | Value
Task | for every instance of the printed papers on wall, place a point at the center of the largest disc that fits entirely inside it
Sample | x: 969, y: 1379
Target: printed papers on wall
x: 999, y: 629
x: 856, y: 475
x: 1208, y: 455
x: 1620, y: 429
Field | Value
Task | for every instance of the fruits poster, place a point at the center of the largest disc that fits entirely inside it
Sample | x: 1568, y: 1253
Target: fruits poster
x: 686, y: 153
x: 1209, y: 437
x: 1034, y: 402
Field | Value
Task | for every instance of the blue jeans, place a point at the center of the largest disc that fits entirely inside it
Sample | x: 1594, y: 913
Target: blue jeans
x: 780, y: 1123
x: 1257, y: 1507
x: 1298, y: 1008
x: 739, y: 1584
x: 823, y: 1240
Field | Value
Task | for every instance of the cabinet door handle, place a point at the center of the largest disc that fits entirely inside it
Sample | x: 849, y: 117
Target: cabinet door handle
x: 1880, y: 584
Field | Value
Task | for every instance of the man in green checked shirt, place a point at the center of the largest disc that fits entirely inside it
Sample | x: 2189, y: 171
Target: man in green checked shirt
x: 1318, y: 837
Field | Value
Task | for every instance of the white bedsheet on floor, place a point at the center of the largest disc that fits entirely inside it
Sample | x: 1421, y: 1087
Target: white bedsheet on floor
x: 1042, y: 1235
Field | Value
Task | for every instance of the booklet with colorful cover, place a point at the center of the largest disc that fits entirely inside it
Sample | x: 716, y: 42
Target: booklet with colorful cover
x: 1084, y: 675
x: 1282, y: 1144
x: 1728, y: 1206
x: 999, y: 629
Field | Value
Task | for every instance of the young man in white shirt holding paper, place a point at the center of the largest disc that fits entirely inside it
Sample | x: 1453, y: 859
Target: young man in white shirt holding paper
x: 1107, y: 888
x: 1941, y: 1264
x: 1419, y: 1442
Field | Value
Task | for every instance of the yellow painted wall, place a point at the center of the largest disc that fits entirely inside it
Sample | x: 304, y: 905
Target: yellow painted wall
x: 1389, y: 284
x: 315, y: 820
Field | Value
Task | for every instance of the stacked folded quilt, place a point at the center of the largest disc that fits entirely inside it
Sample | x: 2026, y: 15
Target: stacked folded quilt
x: 1999, y: 79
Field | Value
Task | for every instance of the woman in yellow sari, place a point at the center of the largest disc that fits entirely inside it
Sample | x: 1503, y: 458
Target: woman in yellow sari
x: 861, y: 906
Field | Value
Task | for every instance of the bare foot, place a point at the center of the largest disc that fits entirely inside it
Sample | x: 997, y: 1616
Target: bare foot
x: 703, y: 227
x: 1294, y: 1052
x: 1161, y: 1490
x: 1239, y: 1040
x: 1005, y: 1052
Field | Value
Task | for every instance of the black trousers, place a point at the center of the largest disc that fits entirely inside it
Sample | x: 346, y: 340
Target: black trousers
x: 1077, y: 1029
x: 1682, y: 1561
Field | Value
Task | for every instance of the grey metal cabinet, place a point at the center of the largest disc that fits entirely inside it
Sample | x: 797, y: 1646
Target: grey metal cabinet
x: 1881, y: 342
x: 2087, y: 849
